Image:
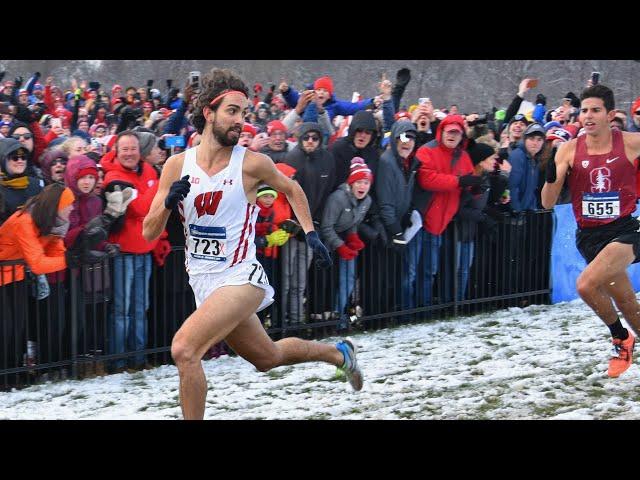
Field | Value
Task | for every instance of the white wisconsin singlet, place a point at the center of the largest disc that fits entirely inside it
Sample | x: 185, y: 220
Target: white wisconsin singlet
x: 219, y: 222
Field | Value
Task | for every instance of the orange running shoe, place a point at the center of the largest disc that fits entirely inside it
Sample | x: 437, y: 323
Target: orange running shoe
x: 621, y: 356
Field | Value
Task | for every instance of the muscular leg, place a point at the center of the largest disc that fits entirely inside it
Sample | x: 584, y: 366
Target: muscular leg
x: 594, y: 283
x: 251, y: 342
x: 216, y: 317
x: 621, y: 290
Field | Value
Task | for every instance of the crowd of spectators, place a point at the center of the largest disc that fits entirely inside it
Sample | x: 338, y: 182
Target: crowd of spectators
x: 80, y: 164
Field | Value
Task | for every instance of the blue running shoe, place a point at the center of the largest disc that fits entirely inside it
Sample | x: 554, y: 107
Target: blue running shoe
x: 350, y: 366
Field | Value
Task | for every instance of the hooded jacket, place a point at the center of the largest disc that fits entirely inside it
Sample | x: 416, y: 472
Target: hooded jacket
x: 14, y: 197
x: 344, y: 150
x: 86, y: 205
x: 523, y: 179
x: 315, y: 171
x: 394, y: 183
x: 342, y: 215
x: 437, y: 174
x: 145, y: 181
x: 46, y: 161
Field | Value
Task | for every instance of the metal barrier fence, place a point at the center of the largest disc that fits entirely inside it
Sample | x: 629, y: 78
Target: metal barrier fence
x: 82, y: 327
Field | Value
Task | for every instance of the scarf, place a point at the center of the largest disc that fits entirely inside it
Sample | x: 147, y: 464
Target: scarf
x: 17, y: 183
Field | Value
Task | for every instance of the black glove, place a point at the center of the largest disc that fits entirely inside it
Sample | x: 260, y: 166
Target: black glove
x: 23, y: 114
x: 112, y: 249
x: 90, y: 257
x: 403, y: 76
x: 93, y: 233
x: 72, y: 258
x: 37, y: 75
x: 149, y: 83
x: 541, y: 99
x: 94, y: 85
x: 18, y: 81
x: 2, y: 74
x: 550, y: 170
x: 399, y: 240
x: 178, y: 190
x: 469, y: 180
x: 323, y: 258
x: 169, y: 83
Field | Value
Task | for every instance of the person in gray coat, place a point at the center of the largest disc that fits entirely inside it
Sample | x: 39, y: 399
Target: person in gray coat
x: 345, y: 210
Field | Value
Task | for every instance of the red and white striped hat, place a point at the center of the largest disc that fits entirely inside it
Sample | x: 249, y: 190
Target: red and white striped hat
x: 359, y: 171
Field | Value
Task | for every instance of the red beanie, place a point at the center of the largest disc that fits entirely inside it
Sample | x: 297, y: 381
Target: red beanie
x: 87, y: 171
x: 324, y: 82
x: 274, y: 126
x: 402, y: 114
x: 635, y: 106
x: 250, y: 129
x: 359, y: 171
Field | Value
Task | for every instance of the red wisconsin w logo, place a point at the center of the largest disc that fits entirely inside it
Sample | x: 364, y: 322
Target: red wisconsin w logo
x: 207, y: 203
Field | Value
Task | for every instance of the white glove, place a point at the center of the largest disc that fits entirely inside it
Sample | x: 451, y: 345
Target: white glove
x: 119, y: 200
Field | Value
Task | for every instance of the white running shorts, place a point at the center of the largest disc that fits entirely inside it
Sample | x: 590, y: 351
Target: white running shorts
x: 245, y: 272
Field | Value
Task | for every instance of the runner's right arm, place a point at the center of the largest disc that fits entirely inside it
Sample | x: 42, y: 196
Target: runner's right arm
x: 551, y: 189
x: 156, y: 220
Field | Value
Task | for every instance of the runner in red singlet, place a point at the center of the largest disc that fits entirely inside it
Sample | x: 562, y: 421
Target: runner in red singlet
x: 601, y: 170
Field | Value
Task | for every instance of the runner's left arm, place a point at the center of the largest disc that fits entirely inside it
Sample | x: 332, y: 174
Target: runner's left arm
x: 556, y: 173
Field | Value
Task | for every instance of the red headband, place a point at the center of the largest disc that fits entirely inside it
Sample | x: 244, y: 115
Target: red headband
x: 228, y: 92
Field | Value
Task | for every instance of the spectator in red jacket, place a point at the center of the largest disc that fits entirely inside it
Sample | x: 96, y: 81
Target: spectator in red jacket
x: 132, y: 270
x: 445, y: 170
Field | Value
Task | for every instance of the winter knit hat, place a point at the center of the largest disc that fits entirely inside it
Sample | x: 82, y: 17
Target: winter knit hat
x: 274, y: 126
x: 559, y: 134
x: 324, y: 82
x: 359, y: 171
x: 147, y: 142
x: 87, y: 171
x: 265, y: 189
x: 480, y: 152
x: 249, y: 129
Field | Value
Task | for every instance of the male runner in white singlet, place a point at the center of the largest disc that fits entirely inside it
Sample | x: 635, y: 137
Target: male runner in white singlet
x: 214, y: 188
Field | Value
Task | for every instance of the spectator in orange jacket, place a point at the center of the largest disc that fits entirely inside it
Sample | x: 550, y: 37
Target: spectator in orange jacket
x: 132, y: 270
x: 33, y: 234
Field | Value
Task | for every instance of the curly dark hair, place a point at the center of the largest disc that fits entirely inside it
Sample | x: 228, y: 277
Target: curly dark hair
x: 213, y: 84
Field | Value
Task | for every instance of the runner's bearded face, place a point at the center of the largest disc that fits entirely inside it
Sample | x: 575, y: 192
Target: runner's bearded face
x: 229, y: 119
x: 594, y: 117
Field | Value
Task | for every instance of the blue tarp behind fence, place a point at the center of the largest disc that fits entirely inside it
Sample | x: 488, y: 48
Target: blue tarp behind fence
x: 566, y: 261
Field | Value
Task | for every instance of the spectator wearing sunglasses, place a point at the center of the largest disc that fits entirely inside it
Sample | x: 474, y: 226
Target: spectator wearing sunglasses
x: 16, y: 186
x: 31, y: 137
x: 315, y: 172
x: 54, y: 163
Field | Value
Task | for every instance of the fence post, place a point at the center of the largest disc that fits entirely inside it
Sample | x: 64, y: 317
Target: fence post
x: 74, y: 322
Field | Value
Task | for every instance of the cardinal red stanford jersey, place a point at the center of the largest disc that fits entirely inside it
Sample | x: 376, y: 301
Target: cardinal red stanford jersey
x: 219, y: 222
x: 603, y: 187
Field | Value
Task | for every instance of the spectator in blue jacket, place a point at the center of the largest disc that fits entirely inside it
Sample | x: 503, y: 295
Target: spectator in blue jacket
x: 524, y: 160
x: 324, y: 92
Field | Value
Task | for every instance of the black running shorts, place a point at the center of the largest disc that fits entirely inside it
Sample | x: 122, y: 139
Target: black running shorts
x: 590, y: 241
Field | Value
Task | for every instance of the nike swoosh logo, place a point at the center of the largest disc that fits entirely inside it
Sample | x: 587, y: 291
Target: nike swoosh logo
x: 609, y: 160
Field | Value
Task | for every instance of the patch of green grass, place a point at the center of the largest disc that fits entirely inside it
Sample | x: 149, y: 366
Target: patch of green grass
x: 79, y: 396
x: 490, y: 323
x: 479, y: 359
x: 110, y: 404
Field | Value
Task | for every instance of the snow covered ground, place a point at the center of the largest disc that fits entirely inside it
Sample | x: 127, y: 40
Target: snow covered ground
x: 541, y: 362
